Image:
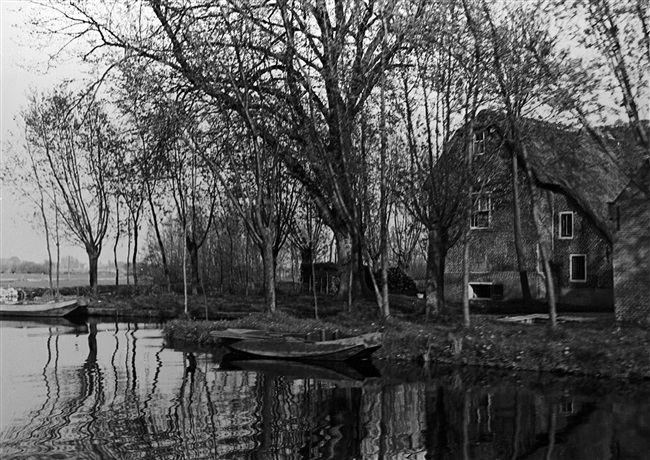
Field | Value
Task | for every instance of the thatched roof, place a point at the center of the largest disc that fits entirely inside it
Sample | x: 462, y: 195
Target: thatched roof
x: 590, y: 171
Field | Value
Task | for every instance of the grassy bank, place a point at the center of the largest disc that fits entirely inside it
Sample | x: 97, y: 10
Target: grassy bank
x: 598, y: 347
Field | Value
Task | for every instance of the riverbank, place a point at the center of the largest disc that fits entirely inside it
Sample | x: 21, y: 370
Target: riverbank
x: 596, y: 346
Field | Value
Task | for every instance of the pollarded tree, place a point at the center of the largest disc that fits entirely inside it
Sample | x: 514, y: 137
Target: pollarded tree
x: 75, y: 137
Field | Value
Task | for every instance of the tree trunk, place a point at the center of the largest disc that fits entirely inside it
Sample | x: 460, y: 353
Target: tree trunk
x: 246, y: 266
x: 185, y: 299
x: 93, y: 258
x: 58, y: 252
x: 313, y: 277
x: 128, y: 251
x: 466, y: 243
x: 161, y: 246
x: 383, y: 183
x: 550, y: 286
x: 521, y: 261
x: 379, y: 290
x: 306, y: 267
x: 440, y: 284
x: 117, y: 239
x: 193, y: 251
x: 269, y: 274
x: 47, y: 243
x: 348, y: 267
x: 384, y: 287
x: 435, y: 287
x: 544, y: 235
x: 116, y: 265
x: 58, y: 269
x: 135, y: 253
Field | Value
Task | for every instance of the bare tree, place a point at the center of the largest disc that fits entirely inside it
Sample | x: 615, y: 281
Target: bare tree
x: 437, y: 177
x: 141, y: 93
x: 306, y: 235
x: 295, y: 69
x: 405, y: 233
x: 518, y: 81
x: 133, y: 194
x: 617, y: 38
x: 29, y: 179
x: 619, y: 31
x: 75, y: 138
x: 195, y: 195
x: 118, y: 233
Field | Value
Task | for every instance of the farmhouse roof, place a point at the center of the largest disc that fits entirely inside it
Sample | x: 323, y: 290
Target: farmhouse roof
x: 590, y: 171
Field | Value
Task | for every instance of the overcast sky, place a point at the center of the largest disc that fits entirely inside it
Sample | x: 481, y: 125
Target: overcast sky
x: 23, y: 66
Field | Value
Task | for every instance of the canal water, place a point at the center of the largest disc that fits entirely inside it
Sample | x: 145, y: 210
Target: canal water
x: 117, y: 390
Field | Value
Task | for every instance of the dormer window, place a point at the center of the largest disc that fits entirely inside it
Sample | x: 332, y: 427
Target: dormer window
x: 479, y: 143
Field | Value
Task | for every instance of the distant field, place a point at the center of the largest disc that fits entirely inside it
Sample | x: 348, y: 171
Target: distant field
x: 35, y: 280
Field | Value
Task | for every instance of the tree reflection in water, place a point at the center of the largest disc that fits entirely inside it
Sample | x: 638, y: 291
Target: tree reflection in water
x: 116, y: 391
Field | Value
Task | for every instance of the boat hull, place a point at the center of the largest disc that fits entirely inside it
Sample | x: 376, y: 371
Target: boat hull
x: 359, y: 347
x: 339, y: 371
x: 46, y: 309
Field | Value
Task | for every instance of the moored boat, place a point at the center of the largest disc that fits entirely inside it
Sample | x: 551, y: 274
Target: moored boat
x: 269, y: 345
x: 68, y: 307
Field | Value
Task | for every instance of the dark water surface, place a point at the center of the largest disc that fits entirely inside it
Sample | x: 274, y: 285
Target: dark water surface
x: 115, y: 390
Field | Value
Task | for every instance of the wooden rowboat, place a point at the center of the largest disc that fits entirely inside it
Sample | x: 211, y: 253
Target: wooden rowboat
x: 268, y: 345
x: 31, y: 309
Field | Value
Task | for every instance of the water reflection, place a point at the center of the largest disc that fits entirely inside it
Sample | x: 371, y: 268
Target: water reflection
x: 101, y: 390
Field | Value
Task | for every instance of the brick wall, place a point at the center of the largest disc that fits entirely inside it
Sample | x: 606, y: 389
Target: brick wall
x: 493, y: 256
x: 493, y: 248
x: 632, y: 256
x: 586, y: 240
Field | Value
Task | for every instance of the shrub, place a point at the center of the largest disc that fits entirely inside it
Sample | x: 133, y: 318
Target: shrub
x: 398, y: 281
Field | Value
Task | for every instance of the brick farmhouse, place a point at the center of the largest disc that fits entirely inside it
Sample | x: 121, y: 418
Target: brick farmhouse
x: 596, y: 207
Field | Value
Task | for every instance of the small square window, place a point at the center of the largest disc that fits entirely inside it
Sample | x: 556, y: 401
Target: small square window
x: 566, y: 225
x: 481, y: 213
x: 479, y: 143
x: 567, y: 408
x: 578, y: 268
